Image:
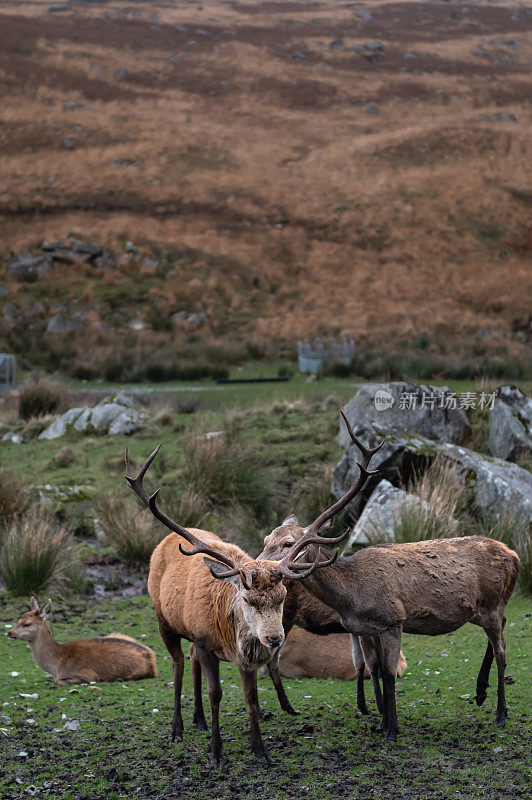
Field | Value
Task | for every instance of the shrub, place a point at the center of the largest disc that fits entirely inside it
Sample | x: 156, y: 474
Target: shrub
x: 130, y: 530
x: 38, y: 555
x: 513, y: 528
x: 38, y: 397
x: 224, y: 472
x: 14, y: 497
x: 63, y: 458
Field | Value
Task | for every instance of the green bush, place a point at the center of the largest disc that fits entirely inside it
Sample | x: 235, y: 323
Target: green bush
x: 38, y: 555
x: 38, y: 397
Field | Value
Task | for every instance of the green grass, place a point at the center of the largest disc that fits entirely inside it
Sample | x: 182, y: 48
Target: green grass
x: 446, y: 746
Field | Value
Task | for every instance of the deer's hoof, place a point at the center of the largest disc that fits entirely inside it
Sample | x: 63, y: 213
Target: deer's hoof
x: 479, y: 699
x: 500, y: 718
x: 291, y: 710
x: 218, y: 761
x: 263, y: 759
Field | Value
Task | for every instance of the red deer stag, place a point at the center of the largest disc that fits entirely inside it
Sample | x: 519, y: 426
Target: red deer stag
x: 428, y: 587
x: 105, y: 658
x: 302, y: 608
x: 228, y: 605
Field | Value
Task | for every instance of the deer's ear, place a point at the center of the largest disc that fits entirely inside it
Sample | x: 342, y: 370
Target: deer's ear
x: 34, y: 605
x: 47, y: 607
x: 291, y: 520
x: 217, y: 570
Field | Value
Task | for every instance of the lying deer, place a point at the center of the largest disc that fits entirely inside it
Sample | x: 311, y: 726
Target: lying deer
x: 228, y: 605
x: 427, y: 587
x: 308, y: 655
x: 105, y: 658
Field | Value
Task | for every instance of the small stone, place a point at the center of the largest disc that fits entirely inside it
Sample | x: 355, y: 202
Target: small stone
x: 373, y: 109
x: 68, y: 143
x: 497, y: 749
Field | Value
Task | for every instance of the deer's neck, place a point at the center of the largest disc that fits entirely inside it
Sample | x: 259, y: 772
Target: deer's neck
x: 45, y: 650
x: 336, y: 586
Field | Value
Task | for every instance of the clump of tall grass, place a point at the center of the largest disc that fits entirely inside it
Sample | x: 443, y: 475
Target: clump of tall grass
x: 513, y: 528
x: 38, y: 555
x: 38, y: 397
x: 14, y: 497
x: 224, y: 472
x: 130, y: 530
x: 431, y: 509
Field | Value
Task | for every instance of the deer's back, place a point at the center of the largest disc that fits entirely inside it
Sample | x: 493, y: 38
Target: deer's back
x: 109, y: 657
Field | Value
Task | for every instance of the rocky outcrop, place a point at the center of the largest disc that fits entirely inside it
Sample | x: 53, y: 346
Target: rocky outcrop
x: 510, y: 424
x: 382, y: 516
x: 31, y: 267
x: 113, y: 415
x: 26, y: 267
x: 432, y: 411
x: 492, y: 484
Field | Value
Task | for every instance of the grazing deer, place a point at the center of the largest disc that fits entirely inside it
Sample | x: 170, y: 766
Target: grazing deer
x: 302, y: 608
x: 428, y: 587
x: 228, y: 605
x: 308, y: 655
x: 105, y: 658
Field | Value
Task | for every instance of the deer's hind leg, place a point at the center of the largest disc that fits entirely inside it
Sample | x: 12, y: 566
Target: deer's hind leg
x: 483, y: 675
x: 369, y: 651
x: 172, y: 641
x: 495, y: 635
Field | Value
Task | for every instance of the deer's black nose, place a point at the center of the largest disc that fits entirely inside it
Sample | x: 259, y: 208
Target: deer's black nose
x: 274, y: 641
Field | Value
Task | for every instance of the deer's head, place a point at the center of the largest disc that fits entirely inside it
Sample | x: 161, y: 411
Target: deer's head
x: 31, y: 622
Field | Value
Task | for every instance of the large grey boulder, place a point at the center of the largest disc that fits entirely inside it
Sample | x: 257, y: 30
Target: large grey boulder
x: 27, y: 267
x: 492, y: 484
x: 510, y: 423
x: 60, y: 426
x: 113, y: 415
x: 432, y: 411
x: 382, y: 515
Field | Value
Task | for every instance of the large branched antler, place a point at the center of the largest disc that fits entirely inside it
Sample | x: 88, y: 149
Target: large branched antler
x: 310, y: 535
x: 246, y: 575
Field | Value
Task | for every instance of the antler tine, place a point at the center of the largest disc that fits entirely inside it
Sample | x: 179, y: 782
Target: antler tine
x: 310, y: 535
x: 289, y: 569
x: 367, y: 452
x: 151, y: 501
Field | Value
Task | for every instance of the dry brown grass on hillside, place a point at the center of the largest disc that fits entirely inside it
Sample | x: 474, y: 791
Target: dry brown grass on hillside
x: 246, y: 137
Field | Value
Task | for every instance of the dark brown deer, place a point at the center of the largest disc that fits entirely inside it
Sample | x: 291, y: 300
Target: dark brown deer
x: 303, y: 609
x: 428, y: 587
x: 103, y: 658
x: 228, y: 605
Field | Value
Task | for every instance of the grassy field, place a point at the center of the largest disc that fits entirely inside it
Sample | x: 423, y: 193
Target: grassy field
x: 447, y: 747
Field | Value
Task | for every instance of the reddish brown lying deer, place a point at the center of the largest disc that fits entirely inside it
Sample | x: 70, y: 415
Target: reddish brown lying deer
x: 105, y: 658
x: 428, y: 587
x: 228, y: 605
x: 308, y: 655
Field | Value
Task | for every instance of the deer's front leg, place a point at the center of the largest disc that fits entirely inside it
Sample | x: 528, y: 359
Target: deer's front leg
x: 273, y: 670
x: 249, y: 687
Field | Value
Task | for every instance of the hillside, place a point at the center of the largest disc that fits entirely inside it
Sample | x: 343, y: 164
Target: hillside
x: 284, y: 169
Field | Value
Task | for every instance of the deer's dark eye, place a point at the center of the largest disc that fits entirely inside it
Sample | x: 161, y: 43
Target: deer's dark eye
x: 288, y: 544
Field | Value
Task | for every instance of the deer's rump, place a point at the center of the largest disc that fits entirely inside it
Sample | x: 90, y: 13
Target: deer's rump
x: 307, y: 655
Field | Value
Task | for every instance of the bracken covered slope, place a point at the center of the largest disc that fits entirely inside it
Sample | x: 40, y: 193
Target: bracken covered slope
x: 309, y: 167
